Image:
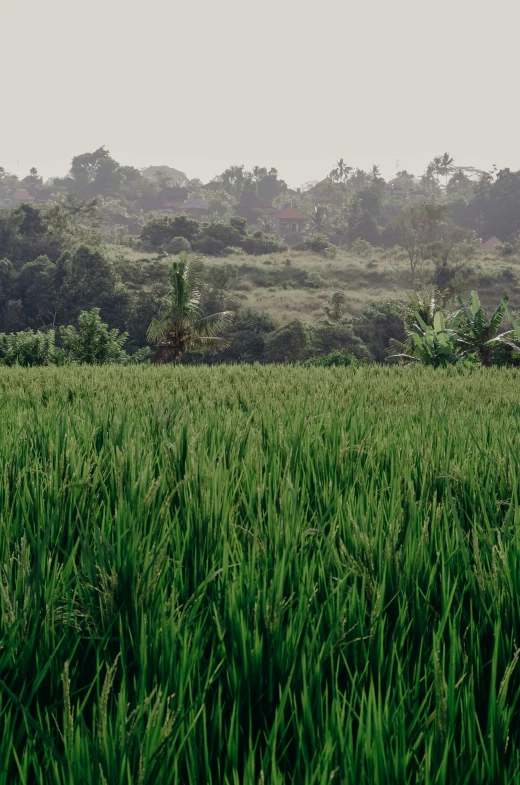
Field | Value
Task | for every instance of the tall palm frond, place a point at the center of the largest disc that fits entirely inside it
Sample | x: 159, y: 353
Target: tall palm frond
x: 182, y: 326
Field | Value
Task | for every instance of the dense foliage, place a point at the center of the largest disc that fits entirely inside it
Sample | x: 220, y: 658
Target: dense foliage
x: 252, y: 575
x: 66, y: 249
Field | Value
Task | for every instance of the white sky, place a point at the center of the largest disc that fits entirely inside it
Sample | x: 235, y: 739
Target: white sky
x: 296, y: 84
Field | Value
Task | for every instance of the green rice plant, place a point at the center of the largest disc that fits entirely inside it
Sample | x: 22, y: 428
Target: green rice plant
x: 259, y: 575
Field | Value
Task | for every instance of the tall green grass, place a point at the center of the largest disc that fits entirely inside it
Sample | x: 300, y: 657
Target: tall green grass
x: 259, y: 575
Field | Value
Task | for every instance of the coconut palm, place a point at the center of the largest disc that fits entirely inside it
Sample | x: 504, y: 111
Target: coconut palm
x: 320, y: 220
x: 182, y: 327
x: 445, y: 166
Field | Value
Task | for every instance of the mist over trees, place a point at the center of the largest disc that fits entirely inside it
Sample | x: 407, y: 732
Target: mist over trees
x: 70, y: 250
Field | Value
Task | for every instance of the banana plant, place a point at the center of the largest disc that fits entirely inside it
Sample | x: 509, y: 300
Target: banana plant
x: 477, y: 333
x: 434, y: 345
x: 510, y: 338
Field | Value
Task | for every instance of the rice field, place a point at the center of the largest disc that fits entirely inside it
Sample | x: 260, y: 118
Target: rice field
x: 252, y: 575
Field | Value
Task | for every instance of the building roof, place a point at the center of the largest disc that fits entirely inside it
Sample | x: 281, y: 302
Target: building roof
x: 174, y: 192
x: 195, y: 204
x: 322, y: 183
x: 490, y: 244
x: 290, y: 214
x: 214, y: 185
x: 252, y: 200
x: 23, y: 195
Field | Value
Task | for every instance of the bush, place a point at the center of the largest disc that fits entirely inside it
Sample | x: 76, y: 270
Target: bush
x: 27, y: 348
x: 318, y: 243
x: 362, y: 248
x: 288, y: 344
x: 506, y: 249
x: 177, y: 245
x: 209, y: 246
x: 339, y: 358
x: 224, y: 233
x: 377, y: 324
x: 315, y: 281
x: 231, y: 250
x: 92, y: 342
x: 247, y: 334
x: 330, y: 336
x: 161, y: 230
x: 259, y: 243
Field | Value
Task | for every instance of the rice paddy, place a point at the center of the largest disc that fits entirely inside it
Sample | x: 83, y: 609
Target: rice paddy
x: 247, y: 575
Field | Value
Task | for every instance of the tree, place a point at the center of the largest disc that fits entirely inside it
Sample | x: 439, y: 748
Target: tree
x: 288, y: 344
x: 233, y: 180
x: 38, y: 291
x: 181, y: 326
x: 361, y: 223
x: 27, y: 348
x: 160, y: 230
x: 335, y: 310
x: 376, y: 325
x: 247, y: 336
x: 86, y: 280
x: 96, y: 172
x: 445, y: 166
x: 319, y: 220
x: 416, y: 227
x: 92, y: 342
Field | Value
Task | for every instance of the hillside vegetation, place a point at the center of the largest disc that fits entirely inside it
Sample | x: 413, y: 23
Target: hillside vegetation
x: 267, y: 574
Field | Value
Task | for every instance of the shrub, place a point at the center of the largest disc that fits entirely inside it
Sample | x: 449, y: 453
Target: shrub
x: 329, y: 336
x: 177, y: 245
x: 247, y: 334
x: 260, y: 243
x: 377, y: 324
x: 338, y: 358
x: 231, y: 250
x: 315, y: 281
x: 288, y: 344
x: 506, y: 249
x: 362, y: 248
x: 209, y: 246
x: 318, y: 243
x: 92, y: 342
x: 27, y: 348
x: 160, y: 230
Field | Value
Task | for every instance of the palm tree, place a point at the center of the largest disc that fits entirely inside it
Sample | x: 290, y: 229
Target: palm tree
x: 436, y: 166
x: 319, y: 219
x: 182, y: 326
x: 445, y: 166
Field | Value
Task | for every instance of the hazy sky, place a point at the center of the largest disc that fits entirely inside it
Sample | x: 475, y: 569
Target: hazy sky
x: 201, y: 84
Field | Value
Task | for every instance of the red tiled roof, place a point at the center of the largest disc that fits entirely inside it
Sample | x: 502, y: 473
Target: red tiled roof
x: 322, y: 183
x: 290, y: 214
x: 22, y: 195
x: 490, y: 244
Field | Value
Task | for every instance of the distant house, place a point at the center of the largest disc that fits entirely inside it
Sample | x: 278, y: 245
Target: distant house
x: 172, y: 198
x: 214, y: 185
x: 44, y: 195
x: 394, y: 191
x: 21, y: 195
x: 291, y: 221
x: 196, y: 208
x: 5, y: 199
x: 252, y: 207
x: 491, y: 244
x: 132, y: 225
x: 322, y: 192
x: 400, y: 194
